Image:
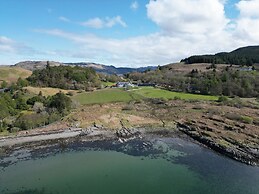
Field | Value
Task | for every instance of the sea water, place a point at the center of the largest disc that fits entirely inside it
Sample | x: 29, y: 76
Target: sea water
x: 166, y: 166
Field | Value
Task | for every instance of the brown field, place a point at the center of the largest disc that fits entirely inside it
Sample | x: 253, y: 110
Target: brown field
x: 111, y: 116
x: 47, y: 91
x: 11, y: 74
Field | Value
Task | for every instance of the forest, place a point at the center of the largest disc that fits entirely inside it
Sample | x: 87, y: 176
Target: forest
x: 243, y: 56
x: 228, y: 82
x: 65, y: 77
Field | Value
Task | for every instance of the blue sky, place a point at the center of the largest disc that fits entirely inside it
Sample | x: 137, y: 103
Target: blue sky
x: 123, y: 32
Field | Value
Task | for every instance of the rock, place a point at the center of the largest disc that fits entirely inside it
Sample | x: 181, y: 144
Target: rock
x: 97, y: 126
x: 127, y: 133
x: 86, y: 132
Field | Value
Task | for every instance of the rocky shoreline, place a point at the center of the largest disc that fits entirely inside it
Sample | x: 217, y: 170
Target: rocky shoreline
x: 96, y: 133
x: 239, y: 153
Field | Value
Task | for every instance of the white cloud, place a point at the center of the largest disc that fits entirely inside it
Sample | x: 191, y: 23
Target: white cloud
x: 108, y: 22
x: 188, y: 16
x: 94, y: 23
x: 7, y: 45
x: 187, y: 27
x: 248, y: 8
x: 64, y: 19
x: 152, y: 49
x: 247, y: 25
x: 134, y: 5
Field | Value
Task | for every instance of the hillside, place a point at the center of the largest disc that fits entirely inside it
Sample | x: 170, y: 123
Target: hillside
x: 241, y: 56
x: 206, y: 79
x: 35, y: 65
x: 65, y: 77
x: 11, y: 74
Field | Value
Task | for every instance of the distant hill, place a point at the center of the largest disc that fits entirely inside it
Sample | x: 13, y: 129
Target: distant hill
x: 11, y: 74
x: 34, y: 65
x: 241, y: 56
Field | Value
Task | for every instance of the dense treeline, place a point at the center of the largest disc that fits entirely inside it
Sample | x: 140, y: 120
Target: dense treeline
x: 229, y: 82
x: 17, y: 112
x: 65, y: 77
x: 243, y: 56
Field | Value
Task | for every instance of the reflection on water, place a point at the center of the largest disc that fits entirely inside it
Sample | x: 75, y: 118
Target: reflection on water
x: 168, y: 165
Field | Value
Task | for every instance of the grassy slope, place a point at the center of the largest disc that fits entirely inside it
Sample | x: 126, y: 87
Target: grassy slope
x: 106, y: 96
x: 150, y: 92
x: 11, y: 74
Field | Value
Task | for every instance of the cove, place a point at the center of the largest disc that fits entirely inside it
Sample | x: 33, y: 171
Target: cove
x: 166, y: 165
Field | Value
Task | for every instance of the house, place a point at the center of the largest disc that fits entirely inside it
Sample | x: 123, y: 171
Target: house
x: 246, y: 68
x: 124, y: 84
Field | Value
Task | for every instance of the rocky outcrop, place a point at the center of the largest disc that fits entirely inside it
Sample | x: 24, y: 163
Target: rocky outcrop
x: 127, y: 133
x: 233, y: 149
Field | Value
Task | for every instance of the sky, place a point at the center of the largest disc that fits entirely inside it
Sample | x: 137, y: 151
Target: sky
x: 124, y: 32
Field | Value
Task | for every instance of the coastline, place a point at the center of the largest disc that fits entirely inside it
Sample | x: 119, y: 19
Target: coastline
x: 94, y: 134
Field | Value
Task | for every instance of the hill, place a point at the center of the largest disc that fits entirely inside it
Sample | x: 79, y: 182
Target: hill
x: 100, y: 68
x: 11, y: 74
x: 241, y: 56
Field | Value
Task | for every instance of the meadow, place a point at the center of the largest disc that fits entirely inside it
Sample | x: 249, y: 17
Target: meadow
x: 150, y: 92
x: 121, y: 95
x: 106, y: 96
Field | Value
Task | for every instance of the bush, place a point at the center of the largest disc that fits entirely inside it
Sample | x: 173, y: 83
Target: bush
x: 30, y: 121
x: 222, y: 99
x: 70, y: 93
x: 128, y: 107
x: 240, y: 118
x: 39, y: 98
x: 233, y: 116
x: 61, y: 102
x: 177, y: 98
x: 246, y: 119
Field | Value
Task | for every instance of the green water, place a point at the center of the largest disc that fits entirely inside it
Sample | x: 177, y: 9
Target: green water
x: 178, y: 168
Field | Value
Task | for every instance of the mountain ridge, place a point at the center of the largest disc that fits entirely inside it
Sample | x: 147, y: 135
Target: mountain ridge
x: 100, y: 68
x: 248, y: 55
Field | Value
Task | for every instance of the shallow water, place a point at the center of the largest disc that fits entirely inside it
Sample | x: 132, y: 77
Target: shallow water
x: 162, y: 166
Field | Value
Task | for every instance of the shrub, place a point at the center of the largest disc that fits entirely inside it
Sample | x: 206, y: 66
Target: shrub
x: 222, y: 99
x: 30, y: 121
x: 61, y: 102
x: 177, y: 98
x: 246, y: 119
x: 70, y: 93
x: 240, y: 118
x: 128, y: 107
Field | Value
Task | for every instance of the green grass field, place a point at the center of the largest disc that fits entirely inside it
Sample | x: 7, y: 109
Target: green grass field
x: 106, y: 96
x: 150, y: 92
x: 120, y: 95
x: 108, y: 84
